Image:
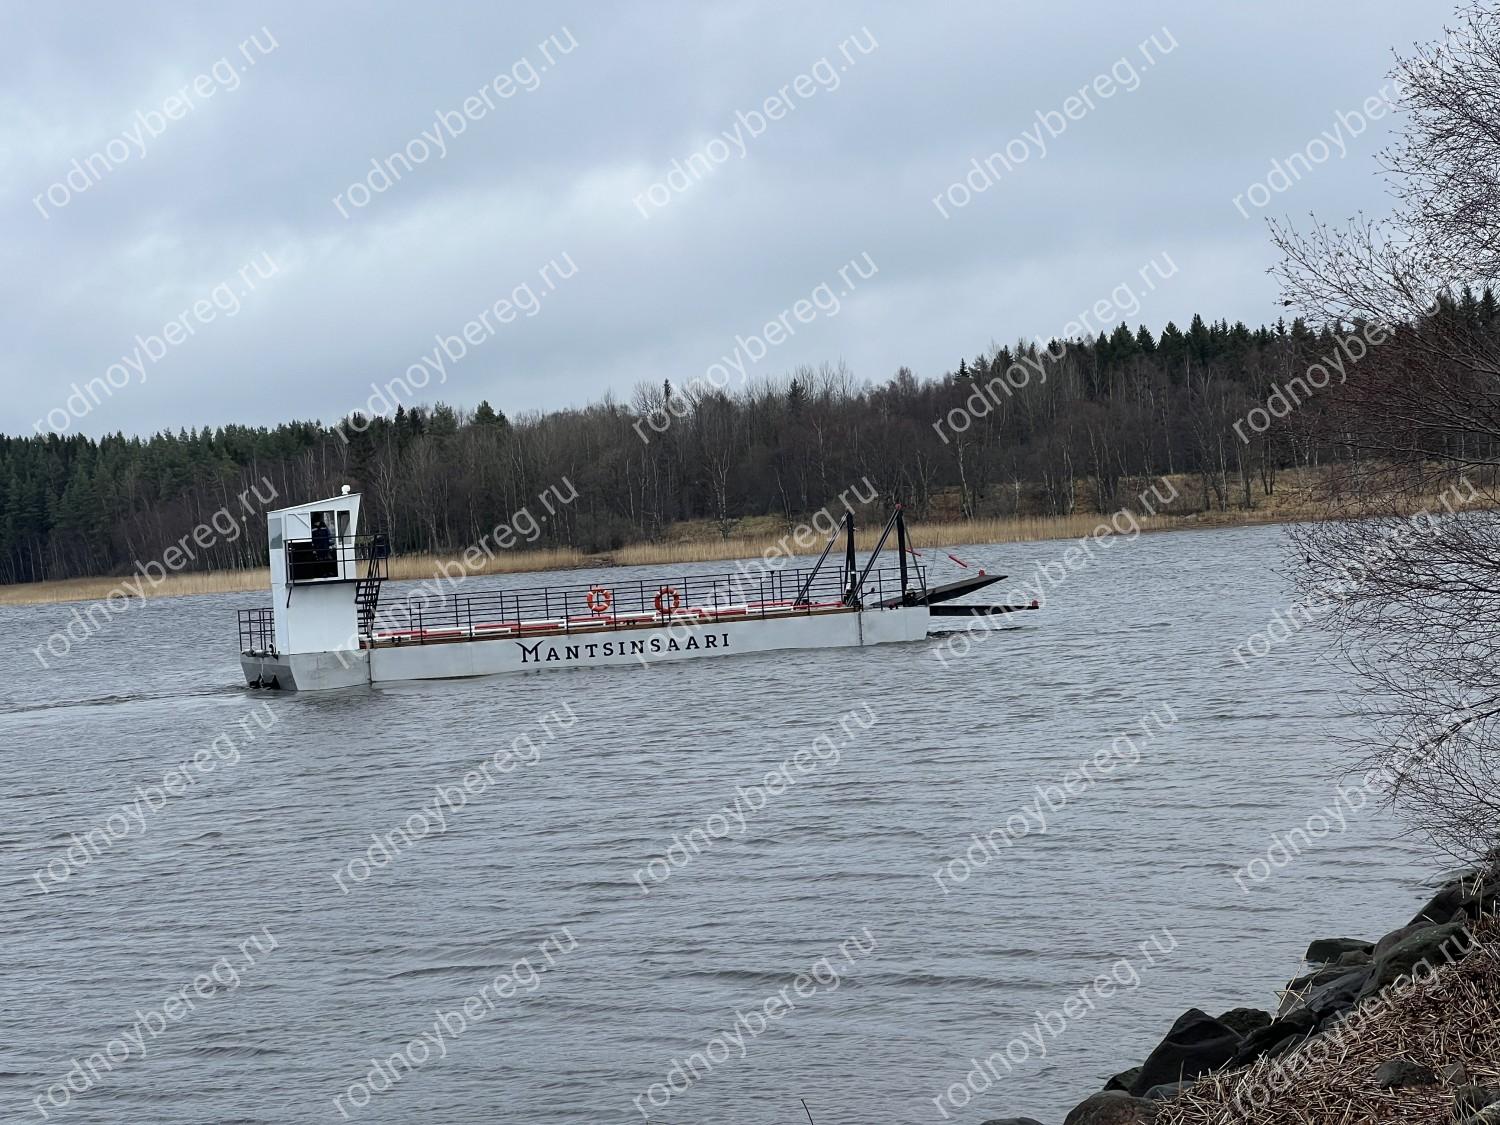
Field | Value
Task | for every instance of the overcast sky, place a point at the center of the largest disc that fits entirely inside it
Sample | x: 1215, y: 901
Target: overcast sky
x: 248, y: 217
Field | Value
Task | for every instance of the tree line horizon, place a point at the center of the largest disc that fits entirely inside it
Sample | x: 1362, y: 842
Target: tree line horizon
x: 1104, y: 413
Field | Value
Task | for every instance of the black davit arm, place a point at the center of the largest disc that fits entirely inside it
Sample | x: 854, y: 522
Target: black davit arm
x: 848, y: 523
x: 896, y: 520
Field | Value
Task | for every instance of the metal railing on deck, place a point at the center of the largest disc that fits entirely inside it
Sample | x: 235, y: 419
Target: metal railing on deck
x: 630, y: 604
x: 257, y: 630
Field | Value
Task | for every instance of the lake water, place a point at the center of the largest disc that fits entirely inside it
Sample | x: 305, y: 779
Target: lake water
x: 590, y: 970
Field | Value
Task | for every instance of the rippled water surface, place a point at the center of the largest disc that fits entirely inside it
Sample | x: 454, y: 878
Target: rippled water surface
x: 849, y: 850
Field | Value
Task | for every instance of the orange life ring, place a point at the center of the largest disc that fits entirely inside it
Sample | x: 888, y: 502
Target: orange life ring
x: 599, y: 599
x: 668, y: 600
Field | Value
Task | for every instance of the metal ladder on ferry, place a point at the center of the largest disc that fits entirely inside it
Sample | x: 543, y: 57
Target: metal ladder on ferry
x: 367, y: 597
x: 367, y: 589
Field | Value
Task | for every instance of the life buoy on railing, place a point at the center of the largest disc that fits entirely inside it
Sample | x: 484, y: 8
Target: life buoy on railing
x: 668, y: 600
x: 599, y: 599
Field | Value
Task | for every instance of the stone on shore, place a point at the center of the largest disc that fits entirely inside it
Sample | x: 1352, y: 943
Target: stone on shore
x: 1404, y: 1072
x: 1328, y: 950
x: 1469, y: 1100
x: 1166, y: 1090
x: 1242, y: 1021
x: 1434, y: 945
x: 1442, y: 907
x: 1396, y: 936
x: 1337, y: 995
x: 1295, y: 1026
x: 1112, y: 1108
x: 1454, y: 1074
x: 1470, y: 894
x: 1196, y: 1044
x: 1297, y: 991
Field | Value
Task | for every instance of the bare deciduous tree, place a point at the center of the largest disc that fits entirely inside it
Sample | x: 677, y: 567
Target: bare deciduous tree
x: 1416, y: 603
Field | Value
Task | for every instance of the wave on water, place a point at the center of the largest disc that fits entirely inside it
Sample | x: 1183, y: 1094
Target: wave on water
x: 116, y: 699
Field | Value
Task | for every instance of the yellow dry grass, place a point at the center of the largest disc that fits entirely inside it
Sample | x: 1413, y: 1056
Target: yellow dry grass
x: 259, y: 578
x: 173, y: 585
x: 776, y: 537
x: 546, y: 558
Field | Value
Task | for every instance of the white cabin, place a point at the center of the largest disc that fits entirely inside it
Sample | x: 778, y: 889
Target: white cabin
x: 325, y: 582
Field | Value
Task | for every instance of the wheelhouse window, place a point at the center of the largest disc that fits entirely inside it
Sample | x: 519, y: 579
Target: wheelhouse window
x: 317, y: 556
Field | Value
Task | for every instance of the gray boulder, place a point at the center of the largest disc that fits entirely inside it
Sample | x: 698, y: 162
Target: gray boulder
x: 1397, y: 936
x: 1442, y: 907
x: 1196, y: 1044
x: 1337, y: 995
x: 1471, y: 893
x: 1282, y: 1046
x: 1330, y: 949
x: 1166, y: 1091
x: 1124, y: 1080
x: 1397, y: 1073
x: 1297, y: 990
x: 1469, y: 1100
x: 1294, y: 1027
x: 1242, y: 1021
x: 1435, y: 945
x: 1112, y: 1108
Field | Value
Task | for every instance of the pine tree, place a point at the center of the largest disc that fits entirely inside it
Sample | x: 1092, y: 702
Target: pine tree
x: 796, y: 398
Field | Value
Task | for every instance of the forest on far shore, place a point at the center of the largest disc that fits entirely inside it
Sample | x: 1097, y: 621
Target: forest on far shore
x: 1107, y: 414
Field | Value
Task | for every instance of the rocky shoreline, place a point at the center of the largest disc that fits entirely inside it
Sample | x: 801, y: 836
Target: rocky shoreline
x: 1403, y: 1028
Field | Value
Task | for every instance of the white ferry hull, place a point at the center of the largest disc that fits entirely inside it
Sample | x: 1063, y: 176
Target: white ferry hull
x: 307, y: 671
x: 464, y: 656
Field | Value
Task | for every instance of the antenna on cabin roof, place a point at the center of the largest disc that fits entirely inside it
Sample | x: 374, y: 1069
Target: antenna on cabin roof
x: 344, y: 491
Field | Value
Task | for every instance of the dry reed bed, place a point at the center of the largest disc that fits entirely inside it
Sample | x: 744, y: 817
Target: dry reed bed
x: 403, y: 567
x: 1026, y: 529
x: 1451, y: 1017
x: 97, y: 589
x: 1022, y: 529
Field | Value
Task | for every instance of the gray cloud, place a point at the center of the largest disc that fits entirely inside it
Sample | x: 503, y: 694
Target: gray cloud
x: 252, y: 170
